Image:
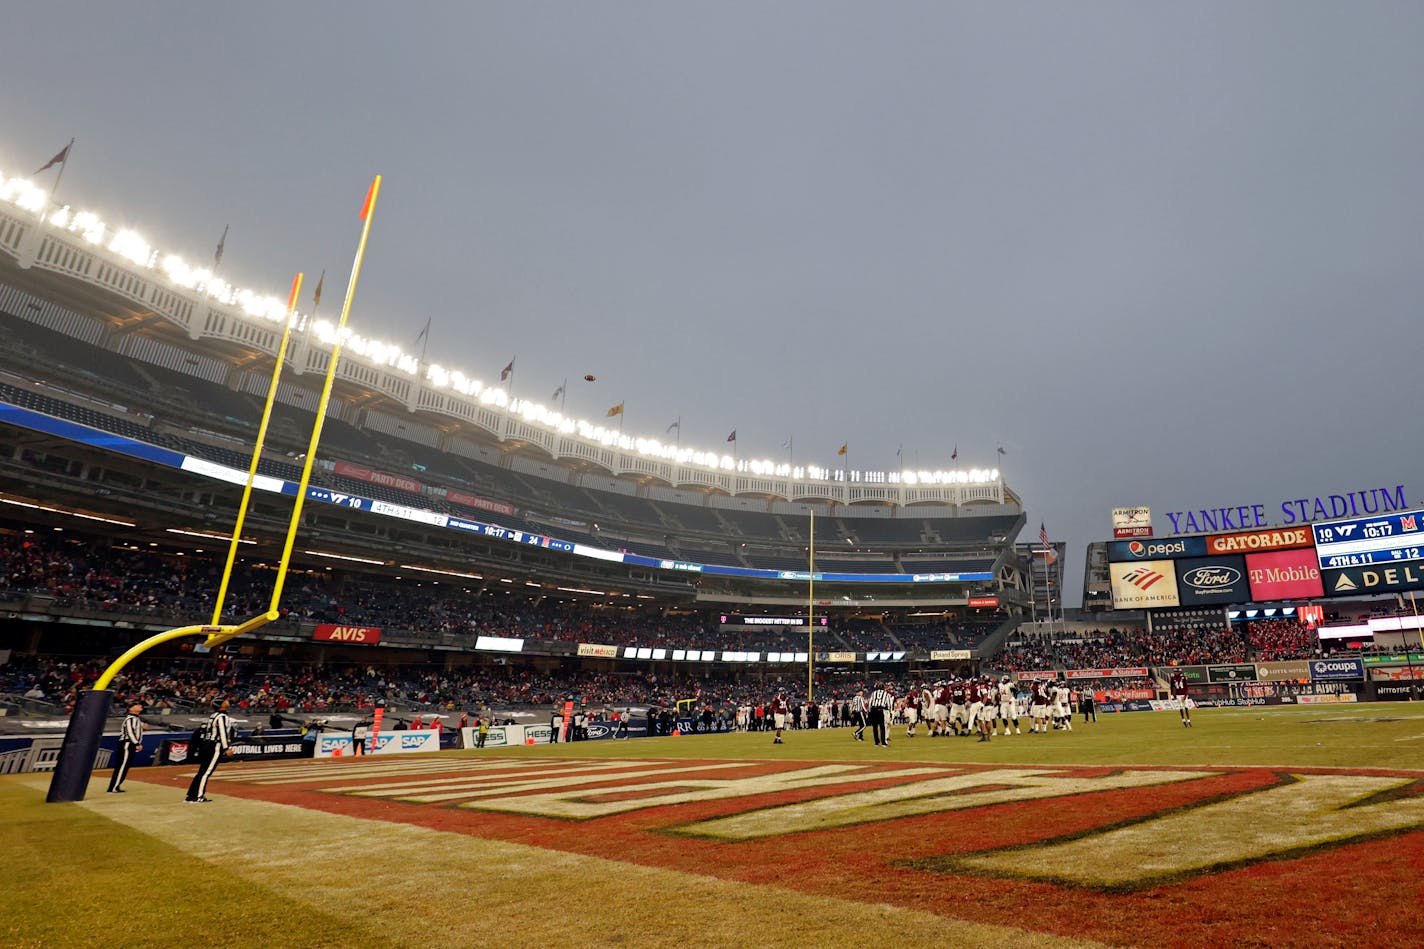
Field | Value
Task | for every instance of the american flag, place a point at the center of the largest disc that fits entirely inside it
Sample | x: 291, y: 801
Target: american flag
x: 1043, y: 536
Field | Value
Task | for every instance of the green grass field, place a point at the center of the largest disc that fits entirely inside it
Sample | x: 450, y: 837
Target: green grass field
x: 303, y: 864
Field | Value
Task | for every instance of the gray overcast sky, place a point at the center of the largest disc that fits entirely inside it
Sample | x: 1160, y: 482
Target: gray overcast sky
x: 1165, y: 254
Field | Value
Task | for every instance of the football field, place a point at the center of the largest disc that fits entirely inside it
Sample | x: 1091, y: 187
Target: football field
x: 1271, y: 827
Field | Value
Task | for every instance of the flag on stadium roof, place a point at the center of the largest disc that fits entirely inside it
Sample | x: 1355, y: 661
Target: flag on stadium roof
x: 506, y: 371
x: 616, y: 410
x: 557, y: 392
x: 316, y: 297
x: 1001, y: 450
x: 676, y: 425
x: 222, y: 243
x: 732, y: 437
x: 844, y: 449
x: 954, y: 455
x: 58, y: 159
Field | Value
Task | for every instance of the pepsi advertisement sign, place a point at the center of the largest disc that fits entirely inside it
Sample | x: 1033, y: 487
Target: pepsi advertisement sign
x: 1121, y: 551
x: 1213, y: 581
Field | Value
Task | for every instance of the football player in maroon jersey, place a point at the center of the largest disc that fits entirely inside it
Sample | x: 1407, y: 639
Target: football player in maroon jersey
x: 1178, y: 682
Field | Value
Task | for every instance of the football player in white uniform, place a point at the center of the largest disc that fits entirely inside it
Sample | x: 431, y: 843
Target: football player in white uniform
x: 1008, y: 707
x: 1062, y: 709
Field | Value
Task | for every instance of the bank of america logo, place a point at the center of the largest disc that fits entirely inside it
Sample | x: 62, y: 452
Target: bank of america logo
x: 1142, y: 578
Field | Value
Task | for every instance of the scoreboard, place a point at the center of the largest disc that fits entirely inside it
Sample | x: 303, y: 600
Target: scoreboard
x: 1365, y: 541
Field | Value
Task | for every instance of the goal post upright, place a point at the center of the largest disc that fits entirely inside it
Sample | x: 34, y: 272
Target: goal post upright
x: 81, y: 742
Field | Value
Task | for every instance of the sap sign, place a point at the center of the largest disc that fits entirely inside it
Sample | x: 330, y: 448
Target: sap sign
x: 1337, y: 669
x: 388, y: 743
x: 1212, y: 581
x: 1132, y: 550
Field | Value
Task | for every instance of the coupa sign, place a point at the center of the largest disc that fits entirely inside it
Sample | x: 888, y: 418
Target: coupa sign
x: 1337, y: 669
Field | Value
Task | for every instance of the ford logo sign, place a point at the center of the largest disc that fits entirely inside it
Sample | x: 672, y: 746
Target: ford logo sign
x: 1212, y: 578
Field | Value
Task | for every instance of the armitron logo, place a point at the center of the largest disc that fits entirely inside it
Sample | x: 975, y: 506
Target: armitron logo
x: 1143, y: 578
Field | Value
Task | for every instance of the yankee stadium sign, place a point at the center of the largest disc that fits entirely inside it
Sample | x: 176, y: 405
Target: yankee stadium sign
x: 1294, y: 511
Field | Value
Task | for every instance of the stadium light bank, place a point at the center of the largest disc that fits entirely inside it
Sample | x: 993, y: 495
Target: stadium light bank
x: 132, y: 247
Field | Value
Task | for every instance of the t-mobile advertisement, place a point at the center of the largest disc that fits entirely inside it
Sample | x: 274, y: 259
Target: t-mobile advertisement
x: 1284, y: 575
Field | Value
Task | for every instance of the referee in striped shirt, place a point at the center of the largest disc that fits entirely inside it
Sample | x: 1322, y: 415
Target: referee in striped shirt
x: 218, y: 745
x: 130, y: 737
x: 881, y: 704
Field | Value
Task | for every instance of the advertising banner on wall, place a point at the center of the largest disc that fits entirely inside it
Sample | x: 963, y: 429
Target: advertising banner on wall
x: 365, y: 635
x: 1132, y: 522
x: 1284, y: 538
x: 1137, y: 586
x: 1337, y: 669
x: 1360, y: 581
x: 1212, y: 581
x: 479, y: 504
x: 1289, y: 671
x: 1137, y: 550
x: 1236, y: 672
x: 1284, y: 575
x: 400, y: 483
x: 594, y: 649
x: 399, y: 742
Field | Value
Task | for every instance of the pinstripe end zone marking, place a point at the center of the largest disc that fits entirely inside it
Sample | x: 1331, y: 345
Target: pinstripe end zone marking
x: 1213, y: 820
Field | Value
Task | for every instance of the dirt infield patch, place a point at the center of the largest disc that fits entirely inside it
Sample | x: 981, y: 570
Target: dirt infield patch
x: 1162, y: 856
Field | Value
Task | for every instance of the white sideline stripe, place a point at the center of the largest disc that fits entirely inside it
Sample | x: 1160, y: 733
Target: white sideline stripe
x: 504, y: 790
x: 481, y: 778
x: 341, y: 771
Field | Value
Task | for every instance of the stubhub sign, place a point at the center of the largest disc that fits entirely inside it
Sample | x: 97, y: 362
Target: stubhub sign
x: 1120, y: 551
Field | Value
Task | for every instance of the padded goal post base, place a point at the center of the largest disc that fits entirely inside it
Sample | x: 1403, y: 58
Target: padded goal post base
x: 81, y: 746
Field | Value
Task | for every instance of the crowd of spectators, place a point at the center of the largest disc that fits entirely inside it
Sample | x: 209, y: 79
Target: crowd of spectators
x: 101, y: 577
x: 1256, y: 641
x: 302, y: 690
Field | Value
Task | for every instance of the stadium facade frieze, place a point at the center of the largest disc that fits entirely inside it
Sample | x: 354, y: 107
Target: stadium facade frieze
x: 135, y: 275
